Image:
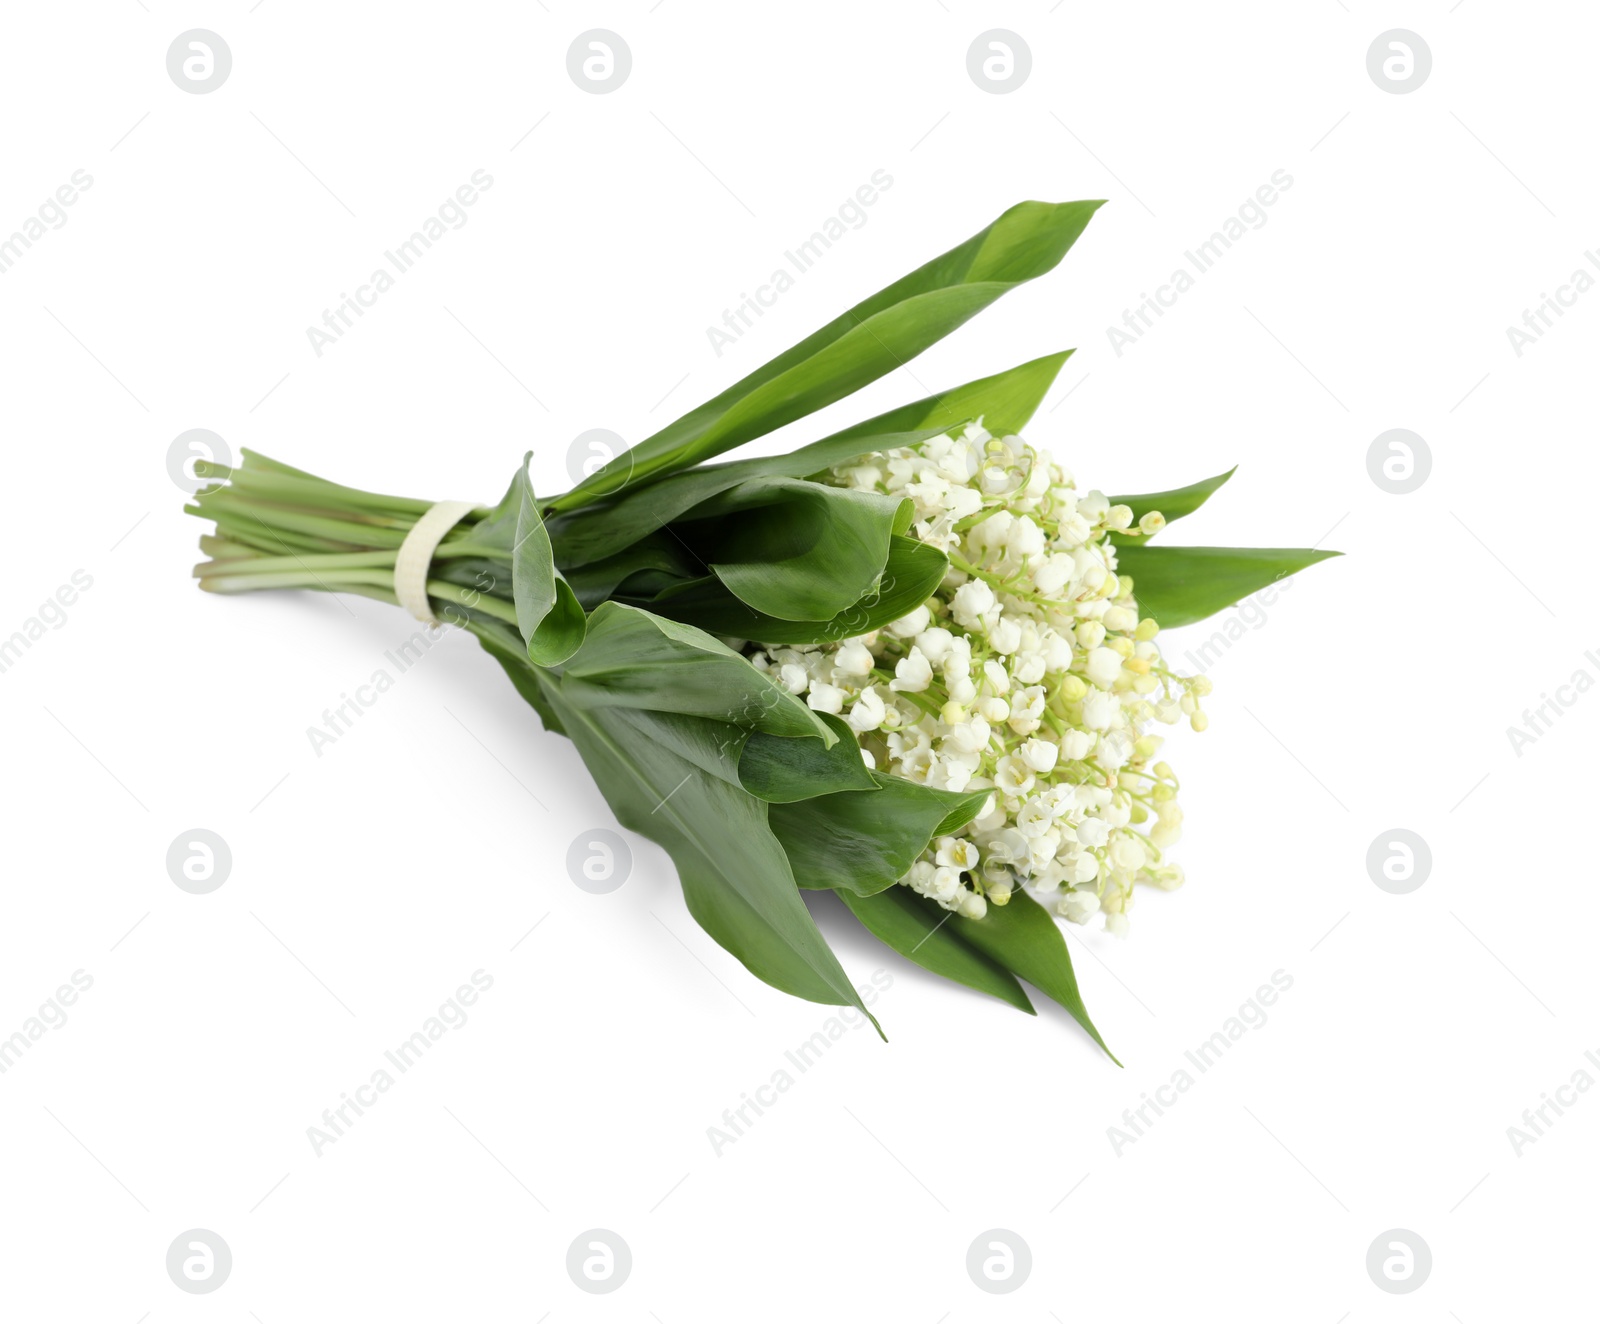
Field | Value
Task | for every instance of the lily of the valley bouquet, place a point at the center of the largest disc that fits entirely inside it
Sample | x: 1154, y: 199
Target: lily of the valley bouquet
x: 914, y: 663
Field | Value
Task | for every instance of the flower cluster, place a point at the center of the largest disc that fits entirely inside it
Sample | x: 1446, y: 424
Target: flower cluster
x: 1029, y: 673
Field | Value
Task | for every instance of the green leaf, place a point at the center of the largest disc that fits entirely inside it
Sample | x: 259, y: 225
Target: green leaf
x: 601, y: 530
x: 1022, y: 936
x: 634, y: 659
x: 734, y: 874
x: 917, y: 929
x: 1181, y: 585
x: 780, y: 770
x: 1005, y: 402
x: 712, y: 746
x: 777, y: 769
x: 1174, y: 504
x: 796, y: 550
x: 656, y: 561
x: 873, y: 338
x: 548, y: 612
x: 910, y: 574
x: 865, y: 841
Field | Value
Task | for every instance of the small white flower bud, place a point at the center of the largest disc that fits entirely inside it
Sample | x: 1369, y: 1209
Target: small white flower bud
x: 934, y: 644
x: 972, y: 600
x: 973, y: 906
x: 1169, y: 825
x: 912, y: 672
x: 1005, y: 636
x: 825, y: 698
x: 1040, y: 755
x: 994, y: 709
x: 1104, y: 666
x: 912, y: 623
x: 854, y: 659
x: 1075, y: 745
x: 868, y: 712
x: 1078, y: 907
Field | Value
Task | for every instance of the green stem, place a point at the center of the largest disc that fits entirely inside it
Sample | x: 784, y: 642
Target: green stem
x: 315, y: 561
x: 355, y: 533
x: 311, y: 493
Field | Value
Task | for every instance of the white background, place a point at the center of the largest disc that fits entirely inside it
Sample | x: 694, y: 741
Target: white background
x: 369, y: 882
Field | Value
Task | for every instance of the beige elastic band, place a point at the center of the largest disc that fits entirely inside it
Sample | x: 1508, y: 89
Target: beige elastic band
x: 411, y: 562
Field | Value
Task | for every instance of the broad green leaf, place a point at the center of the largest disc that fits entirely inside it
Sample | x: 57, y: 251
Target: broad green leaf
x: 771, y: 768
x: 1174, y: 504
x: 911, y: 573
x: 1005, y: 402
x: 634, y: 659
x: 655, y: 562
x: 603, y: 529
x: 734, y: 874
x: 918, y: 929
x: 548, y: 612
x: 1181, y: 585
x: 873, y: 338
x: 712, y: 746
x: 796, y: 550
x: 779, y: 769
x: 865, y: 841
x: 1022, y: 936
